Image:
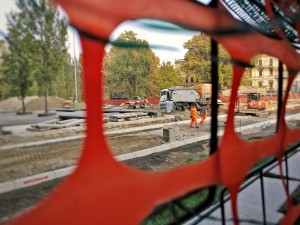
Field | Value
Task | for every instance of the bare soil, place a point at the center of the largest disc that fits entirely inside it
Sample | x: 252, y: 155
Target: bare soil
x: 26, y: 161
x: 20, y: 162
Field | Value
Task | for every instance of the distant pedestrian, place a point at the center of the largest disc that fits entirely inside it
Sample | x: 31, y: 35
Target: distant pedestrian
x: 270, y: 104
x: 203, y: 111
x: 194, y: 113
x: 238, y: 101
x: 146, y: 101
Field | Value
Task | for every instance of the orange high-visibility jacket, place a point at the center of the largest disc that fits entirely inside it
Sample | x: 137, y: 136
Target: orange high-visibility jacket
x: 194, y: 113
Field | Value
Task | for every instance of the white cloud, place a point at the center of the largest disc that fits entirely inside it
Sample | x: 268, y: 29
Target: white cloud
x: 174, y: 39
x: 159, y: 37
x: 5, y: 7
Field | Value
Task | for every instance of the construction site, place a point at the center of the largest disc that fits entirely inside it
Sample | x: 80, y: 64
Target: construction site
x: 37, y: 153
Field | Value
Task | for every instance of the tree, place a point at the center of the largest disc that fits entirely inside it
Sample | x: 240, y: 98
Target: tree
x: 37, y: 45
x: 165, y: 77
x: 4, y: 89
x: 197, y: 62
x: 50, y: 32
x: 129, y: 66
x: 63, y: 85
x: 18, y: 61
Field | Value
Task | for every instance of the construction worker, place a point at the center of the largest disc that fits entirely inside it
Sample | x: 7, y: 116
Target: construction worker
x: 270, y: 104
x: 203, y: 111
x: 194, y: 113
x: 238, y: 101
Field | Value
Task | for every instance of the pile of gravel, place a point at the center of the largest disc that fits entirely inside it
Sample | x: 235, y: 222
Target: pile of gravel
x: 15, y: 103
x: 32, y: 103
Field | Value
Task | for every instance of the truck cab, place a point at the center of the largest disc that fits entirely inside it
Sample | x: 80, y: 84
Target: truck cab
x: 165, y: 95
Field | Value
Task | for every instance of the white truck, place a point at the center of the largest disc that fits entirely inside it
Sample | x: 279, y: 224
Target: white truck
x: 179, y: 97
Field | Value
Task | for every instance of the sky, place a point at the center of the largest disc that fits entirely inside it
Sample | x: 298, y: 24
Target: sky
x: 173, y: 39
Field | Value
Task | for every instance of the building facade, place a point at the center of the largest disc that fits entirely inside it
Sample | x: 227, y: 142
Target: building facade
x: 264, y: 75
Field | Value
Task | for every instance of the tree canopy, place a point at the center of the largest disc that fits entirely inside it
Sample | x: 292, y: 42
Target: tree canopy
x: 4, y: 90
x: 165, y: 77
x: 197, y: 62
x: 129, y: 66
x: 37, y: 52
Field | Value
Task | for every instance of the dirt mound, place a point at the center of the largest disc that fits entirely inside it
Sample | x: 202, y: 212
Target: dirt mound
x: 14, y: 103
x: 32, y: 103
x: 39, y: 103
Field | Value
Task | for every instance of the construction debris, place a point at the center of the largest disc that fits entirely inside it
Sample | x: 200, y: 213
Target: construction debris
x: 56, y: 124
x: 120, y: 117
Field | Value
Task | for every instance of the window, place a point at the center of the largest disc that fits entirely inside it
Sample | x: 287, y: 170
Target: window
x: 253, y: 97
x: 163, y: 93
x: 192, y: 79
x: 186, y: 80
x: 271, y: 61
x: 260, y: 73
x: 260, y: 83
x: 260, y: 62
x: 271, y: 83
x: 271, y: 72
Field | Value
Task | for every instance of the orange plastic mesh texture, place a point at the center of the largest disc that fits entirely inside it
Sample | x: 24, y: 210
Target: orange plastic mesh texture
x: 103, y: 190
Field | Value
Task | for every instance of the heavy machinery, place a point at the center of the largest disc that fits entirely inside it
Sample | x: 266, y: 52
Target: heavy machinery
x: 136, y: 102
x: 179, y: 97
x: 255, y: 106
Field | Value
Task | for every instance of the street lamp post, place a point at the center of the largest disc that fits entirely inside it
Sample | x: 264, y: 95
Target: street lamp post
x: 75, y: 70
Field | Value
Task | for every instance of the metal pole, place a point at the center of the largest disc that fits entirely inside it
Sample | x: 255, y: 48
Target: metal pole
x: 287, y: 171
x: 263, y: 196
x: 75, y: 69
x: 222, y: 206
x: 280, y: 87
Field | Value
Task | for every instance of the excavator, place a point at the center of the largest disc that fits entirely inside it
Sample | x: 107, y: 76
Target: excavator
x: 255, y: 106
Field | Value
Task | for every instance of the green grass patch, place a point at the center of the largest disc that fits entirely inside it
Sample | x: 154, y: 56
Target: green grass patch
x: 255, y: 138
x: 166, y: 214
x: 201, y: 157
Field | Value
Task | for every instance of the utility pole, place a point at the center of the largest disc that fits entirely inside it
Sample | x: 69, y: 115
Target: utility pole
x: 75, y: 69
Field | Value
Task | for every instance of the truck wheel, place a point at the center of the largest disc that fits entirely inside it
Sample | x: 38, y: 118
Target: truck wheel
x: 137, y: 106
x: 127, y: 106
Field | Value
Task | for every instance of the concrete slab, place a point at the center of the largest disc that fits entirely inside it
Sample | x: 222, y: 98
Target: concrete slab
x: 38, y: 143
x: 64, y: 171
x: 248, y: 215
x: 143, y: 152
x: 33, y: 180
x: 274, y: 194
x: 250, y: 204
x: 293, y: 167
x: 7, y: 186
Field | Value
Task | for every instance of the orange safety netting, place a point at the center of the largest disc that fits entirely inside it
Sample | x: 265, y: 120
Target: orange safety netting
x: 105, y: 191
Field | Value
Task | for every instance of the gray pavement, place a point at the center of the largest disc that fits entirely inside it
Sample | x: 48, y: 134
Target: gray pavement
x: 250, y: 207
